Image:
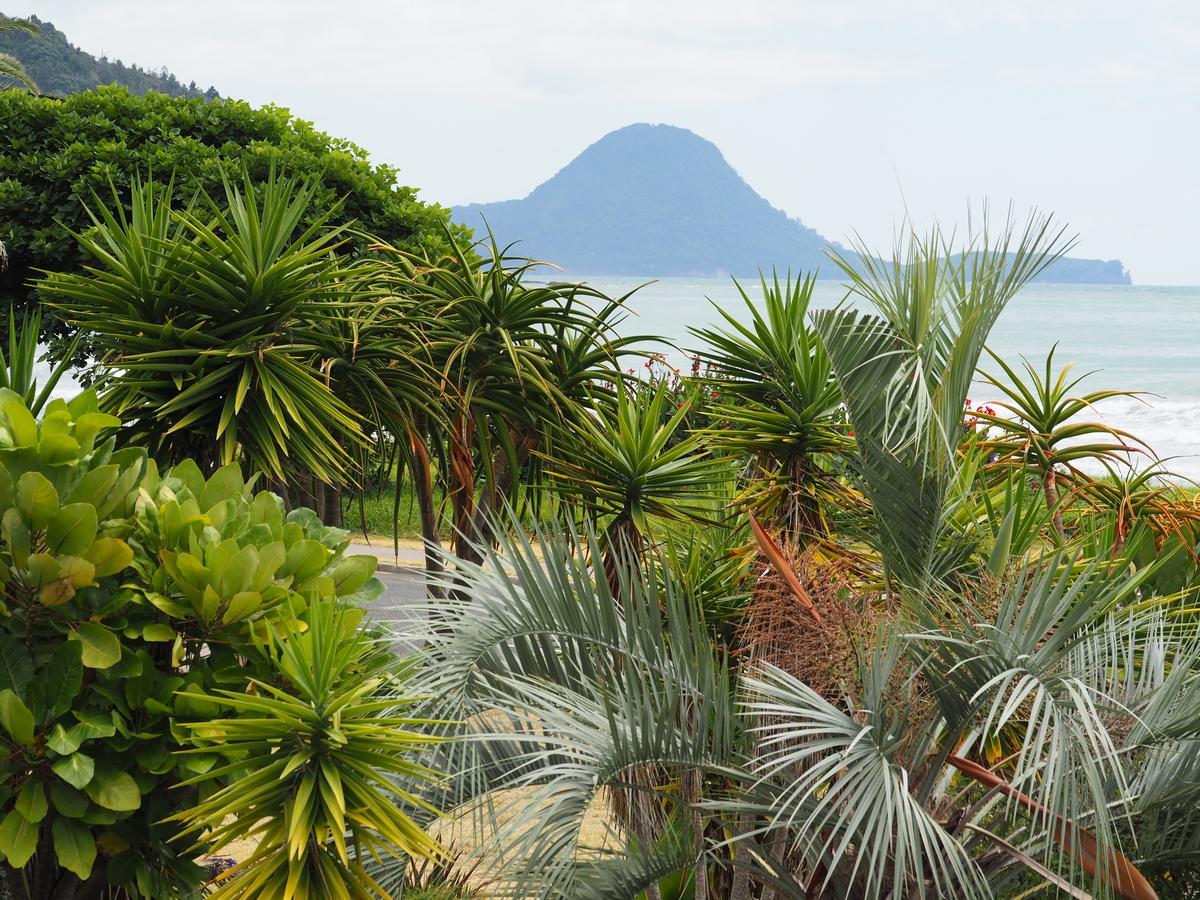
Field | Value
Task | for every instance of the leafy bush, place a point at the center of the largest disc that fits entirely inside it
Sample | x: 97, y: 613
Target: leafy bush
x: 130, y: 598
x: 55, y: 153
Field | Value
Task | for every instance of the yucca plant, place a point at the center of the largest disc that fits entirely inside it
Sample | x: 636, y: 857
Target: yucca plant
x: 203, y: 315
x: 1039, y: 429
x: 310, y: 764
x: 777, y: 402
x: 629, y: 464
x: 18, y: 368
x: 505, y: 359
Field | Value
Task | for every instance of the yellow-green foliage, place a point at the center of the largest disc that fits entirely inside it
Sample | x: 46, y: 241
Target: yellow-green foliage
x: 129, y: 597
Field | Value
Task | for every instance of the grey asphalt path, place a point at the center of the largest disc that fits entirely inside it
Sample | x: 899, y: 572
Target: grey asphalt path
x: 404, y: 588
x: 386, y: 552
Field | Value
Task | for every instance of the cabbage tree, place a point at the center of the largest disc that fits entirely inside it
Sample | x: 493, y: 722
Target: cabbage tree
x: 206, y: 318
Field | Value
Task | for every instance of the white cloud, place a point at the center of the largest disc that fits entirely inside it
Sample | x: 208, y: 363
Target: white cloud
x: 825, y: 107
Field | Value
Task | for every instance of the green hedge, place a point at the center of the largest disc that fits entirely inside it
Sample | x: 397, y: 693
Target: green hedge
x: 56, y: 153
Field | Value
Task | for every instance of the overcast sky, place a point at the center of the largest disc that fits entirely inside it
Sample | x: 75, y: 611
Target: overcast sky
x: 840, y: 113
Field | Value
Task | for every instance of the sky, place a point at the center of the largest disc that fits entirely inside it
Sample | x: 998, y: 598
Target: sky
x: 848, y: 116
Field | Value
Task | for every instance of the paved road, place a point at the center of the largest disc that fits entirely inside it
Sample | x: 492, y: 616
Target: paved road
x: 404, y: 588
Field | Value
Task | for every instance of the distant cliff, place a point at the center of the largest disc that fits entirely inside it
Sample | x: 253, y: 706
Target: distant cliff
x: 660, y: 200
x: 59, y: 68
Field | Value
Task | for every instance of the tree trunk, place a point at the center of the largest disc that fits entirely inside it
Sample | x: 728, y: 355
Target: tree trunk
x: 430, y: 532
x: 1050, y: 485
x: 622, y: 554
x: 693, y: 786
x: 505, y: 471
x: 330, y: 504
x: 462, y: 489
x: 741, y: 873
x: 317, y: 491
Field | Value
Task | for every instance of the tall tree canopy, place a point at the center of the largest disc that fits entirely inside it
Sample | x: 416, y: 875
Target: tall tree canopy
x: 56, y: 154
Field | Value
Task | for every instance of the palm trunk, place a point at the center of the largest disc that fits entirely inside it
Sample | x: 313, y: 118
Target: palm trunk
x: 331, y: 504
x: 799, y: 511
x: 741, y: 890
x: 623, y: 548
x: 462, y: 489
x: 1050, y: 486
x: 423, y: 485
x: 505, y: 470
x: 693, y: 793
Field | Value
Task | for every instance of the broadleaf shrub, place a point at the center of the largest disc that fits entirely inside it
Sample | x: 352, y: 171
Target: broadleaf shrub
x: 130, y: 598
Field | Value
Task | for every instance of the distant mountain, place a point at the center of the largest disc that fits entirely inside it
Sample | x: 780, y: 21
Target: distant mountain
x: 660, y: 200
x: 60, y: 68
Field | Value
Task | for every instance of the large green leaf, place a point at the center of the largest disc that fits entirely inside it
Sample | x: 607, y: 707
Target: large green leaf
x: 76, y: 770
x: 113, y: 789
x: 109, y: 555
x: 31, y: 801
x: 58, y: 683
x: 18, y: 839
x: 37, y: 499
x: 101, y: 648
x: 72, y: 529
x: 16, y: 665
x: 74, y: 846
x: 15, y: 717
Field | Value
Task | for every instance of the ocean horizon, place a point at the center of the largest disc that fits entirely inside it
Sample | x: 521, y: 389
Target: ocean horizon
x: 1125, y: 337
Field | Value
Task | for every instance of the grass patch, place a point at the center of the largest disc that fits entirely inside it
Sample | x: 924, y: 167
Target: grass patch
x: 378, y: 507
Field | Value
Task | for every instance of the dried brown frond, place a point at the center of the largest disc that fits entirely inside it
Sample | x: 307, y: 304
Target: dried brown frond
x: 824, y: 652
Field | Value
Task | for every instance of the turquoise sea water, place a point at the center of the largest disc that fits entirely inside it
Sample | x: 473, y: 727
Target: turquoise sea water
x: 1133, y: 338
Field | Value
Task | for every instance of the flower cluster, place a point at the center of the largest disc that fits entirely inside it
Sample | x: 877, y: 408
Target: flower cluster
x: 970, y: 420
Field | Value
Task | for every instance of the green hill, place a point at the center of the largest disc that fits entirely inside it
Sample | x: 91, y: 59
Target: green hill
x: 649, y: 200
x: 60, y: 68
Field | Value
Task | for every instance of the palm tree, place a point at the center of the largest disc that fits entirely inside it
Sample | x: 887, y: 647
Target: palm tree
x: 631, y: 464
x: 1002, y: 716
x: 12, y: 73
x: 777, y: 402
x: 504, y: 362
x: 209, y: 319
x: 905, y: 369
x: 1038, y: 427
x: 1046, y: 690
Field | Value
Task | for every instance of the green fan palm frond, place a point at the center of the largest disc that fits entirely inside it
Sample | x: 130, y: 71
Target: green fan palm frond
x: 12, y: 72
x: 562, y: 698
x: 905, y: 369
x: 842, y: 785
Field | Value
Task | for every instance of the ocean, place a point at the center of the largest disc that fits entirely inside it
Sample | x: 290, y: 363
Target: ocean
x: 1128, y: 337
